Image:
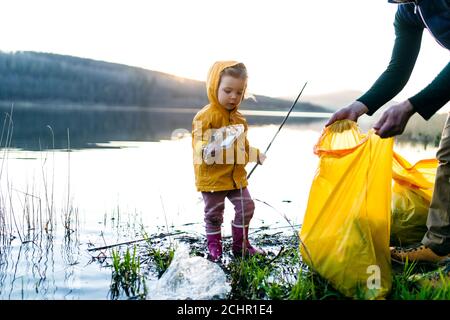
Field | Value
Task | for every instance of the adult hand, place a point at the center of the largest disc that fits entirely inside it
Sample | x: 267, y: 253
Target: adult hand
x: 351, y: 112
x: 393, y: 121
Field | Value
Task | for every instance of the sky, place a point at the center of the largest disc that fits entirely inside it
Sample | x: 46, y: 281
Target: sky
x: 334, y: 45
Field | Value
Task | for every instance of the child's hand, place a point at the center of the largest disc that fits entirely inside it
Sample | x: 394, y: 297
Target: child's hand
x: 262, y: 157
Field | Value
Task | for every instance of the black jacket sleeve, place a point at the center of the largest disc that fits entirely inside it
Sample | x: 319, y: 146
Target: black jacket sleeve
x: 408, y: 38
x: 428, y: 101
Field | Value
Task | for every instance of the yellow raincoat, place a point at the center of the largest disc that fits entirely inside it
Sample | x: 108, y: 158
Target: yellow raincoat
x: 217, y: 176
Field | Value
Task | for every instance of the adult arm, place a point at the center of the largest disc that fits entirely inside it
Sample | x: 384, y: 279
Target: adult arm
x: 434, y: 96
x: 394, y: 78
x: 408, y: 38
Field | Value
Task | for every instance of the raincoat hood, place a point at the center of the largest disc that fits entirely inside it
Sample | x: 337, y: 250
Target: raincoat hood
x: 213, y: 80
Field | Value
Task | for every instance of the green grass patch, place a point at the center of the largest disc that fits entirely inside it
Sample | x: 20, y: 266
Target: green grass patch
x: 161, y: 258
x: 126, y: 275
x: 413, y: 283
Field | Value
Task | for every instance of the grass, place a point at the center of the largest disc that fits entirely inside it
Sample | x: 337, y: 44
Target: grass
x: 253, y: 279
x: 126, y: 275
x: 412, y: 283
x: 277, y: 276
x: 129, y: 273
x: 283, y: 277
x: 29, y: 215
x: 249, y: 278
x: 161, y: 259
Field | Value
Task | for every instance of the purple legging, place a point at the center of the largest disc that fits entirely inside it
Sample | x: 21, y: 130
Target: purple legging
x: 215, y: 206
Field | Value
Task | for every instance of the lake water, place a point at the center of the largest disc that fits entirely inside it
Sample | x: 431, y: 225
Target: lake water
x: 125, y: 171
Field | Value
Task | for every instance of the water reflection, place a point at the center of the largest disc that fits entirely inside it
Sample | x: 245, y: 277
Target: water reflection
x: 34, y: 128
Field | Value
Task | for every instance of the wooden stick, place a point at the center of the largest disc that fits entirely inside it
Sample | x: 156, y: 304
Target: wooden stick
x: 161, y: 235
x: 277, y: 256
x: 279, y: 129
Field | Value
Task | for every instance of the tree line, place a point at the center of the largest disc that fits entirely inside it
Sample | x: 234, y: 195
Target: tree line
x: 42, y: 77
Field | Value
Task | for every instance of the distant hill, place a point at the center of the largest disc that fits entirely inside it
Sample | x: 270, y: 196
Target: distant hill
x: 45, y: 77
x: 340, y: 99
x: 334, y: 100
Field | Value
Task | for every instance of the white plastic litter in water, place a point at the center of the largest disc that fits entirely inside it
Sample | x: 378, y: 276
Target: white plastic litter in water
x: 193, y: 278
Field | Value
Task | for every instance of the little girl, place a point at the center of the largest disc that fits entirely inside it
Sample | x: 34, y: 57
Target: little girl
x: 226, y: 176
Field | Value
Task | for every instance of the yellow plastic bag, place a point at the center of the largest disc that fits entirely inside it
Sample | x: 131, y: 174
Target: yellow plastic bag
x: 345, y: 232
x: 411, y: 196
